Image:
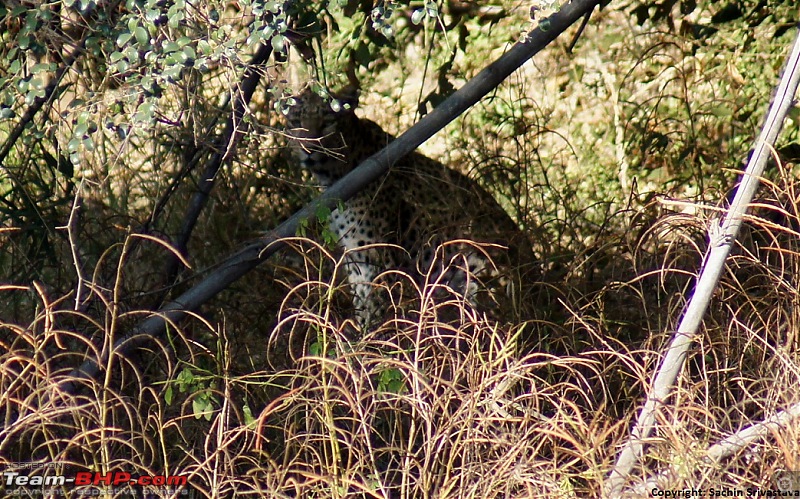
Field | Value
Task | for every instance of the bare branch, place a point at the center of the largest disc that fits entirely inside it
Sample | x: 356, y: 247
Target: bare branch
x: 721, y: 238
x: 233, y: 130
x: 725, y: 447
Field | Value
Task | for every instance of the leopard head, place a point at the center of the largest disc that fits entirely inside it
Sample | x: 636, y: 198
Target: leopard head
x: 316, y: 126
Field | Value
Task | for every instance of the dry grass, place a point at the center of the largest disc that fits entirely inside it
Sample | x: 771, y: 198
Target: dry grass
x: 440, y: 401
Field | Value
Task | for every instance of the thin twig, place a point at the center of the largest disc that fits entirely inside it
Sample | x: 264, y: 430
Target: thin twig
x: 578, y: 33
x: 74, y: 245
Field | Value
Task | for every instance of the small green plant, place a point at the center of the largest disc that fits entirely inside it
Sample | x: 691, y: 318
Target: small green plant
x: 317, y: 349
x: 249, y: 419
x: 321, y: 221
x: 204, y: 401
x: 392, y: 380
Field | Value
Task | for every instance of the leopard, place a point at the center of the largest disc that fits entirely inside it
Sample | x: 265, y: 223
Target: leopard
x: 422, y: 217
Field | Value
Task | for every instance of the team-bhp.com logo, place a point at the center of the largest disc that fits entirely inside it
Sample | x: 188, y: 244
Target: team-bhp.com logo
x: 89, y: 483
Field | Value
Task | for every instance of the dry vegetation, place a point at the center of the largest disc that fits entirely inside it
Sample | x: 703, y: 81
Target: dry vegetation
x: 614, y: 159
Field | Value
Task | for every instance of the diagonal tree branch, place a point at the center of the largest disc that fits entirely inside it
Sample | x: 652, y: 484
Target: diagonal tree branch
x: 257, y: 251
x: 721, y: 238
x: 724, y: 448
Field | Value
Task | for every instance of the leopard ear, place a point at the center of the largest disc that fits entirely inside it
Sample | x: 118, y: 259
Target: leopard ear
x: 347, y: 97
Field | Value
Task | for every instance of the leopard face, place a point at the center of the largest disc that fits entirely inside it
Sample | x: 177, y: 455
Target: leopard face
x: 318, y: 143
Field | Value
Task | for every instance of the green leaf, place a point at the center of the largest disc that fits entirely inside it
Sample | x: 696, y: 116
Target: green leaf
x: 249, y: 419
x: 189, y: 52
x: 175, y: 15
x: 278, y: 43
x: 31, y: 22
x: 185, y: 378
x: 80, y: 129
x: 204, y: 47
x: 42, y: 67
x: 323, y: 213
x: 36, y: 83
x: 391, y: 381
x: 173, y: 73
x: 73, y: 145
x: 545, y: 25
x: 168, y: 395
x: 203, y: 406
x: 131, y: 53
x: 145, y: 112
x: 395, y: 386
x: 170, y: 46
x: 198, y: 408
x: 123, y: 39
x: 142, y: 36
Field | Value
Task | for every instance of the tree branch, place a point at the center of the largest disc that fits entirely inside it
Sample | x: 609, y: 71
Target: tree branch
x: 224, y: 148
x: 721, y: 238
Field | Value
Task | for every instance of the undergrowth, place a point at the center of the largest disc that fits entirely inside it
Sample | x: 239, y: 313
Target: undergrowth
x: 426, y: 405
x: 614, y: 160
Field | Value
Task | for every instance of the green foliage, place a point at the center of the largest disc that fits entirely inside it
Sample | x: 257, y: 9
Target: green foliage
x: 249, y: 419
x: 392, y: 380
x: 321, y: 348
x: 204, y: 401
x: 122, y: 86
x: 320, y: 224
